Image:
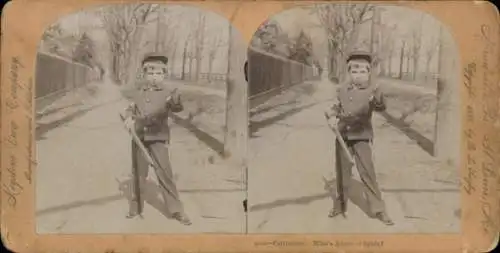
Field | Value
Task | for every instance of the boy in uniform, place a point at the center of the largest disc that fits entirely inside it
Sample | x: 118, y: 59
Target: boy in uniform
x: 352, y: 112
x: 148, y: 114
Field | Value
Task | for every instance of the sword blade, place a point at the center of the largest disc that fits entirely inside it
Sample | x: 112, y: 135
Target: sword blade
x: 150, y: 159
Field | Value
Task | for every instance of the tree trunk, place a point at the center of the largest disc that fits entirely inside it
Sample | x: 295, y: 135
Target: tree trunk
x: 158, y: 31
x: 401, y: 59
x: 199, y: 41
x: 408, y: 70
x: 416, y: 58
x: 383, y: 65
x: 184, y: 55
x: 446, y: 134
x: 190, y: 70
x: 389, y: 65
x: 332, y: 66
x: 210, y: 66
x: 133, y: 61
x: 340, y: 67
x: 236, y: 132
x: 373, y: 41
x: 173, y: 60
x: 427, y: 69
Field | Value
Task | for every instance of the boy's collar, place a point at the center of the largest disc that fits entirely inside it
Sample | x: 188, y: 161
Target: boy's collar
x: 151, y: 86
x: 353, y: 85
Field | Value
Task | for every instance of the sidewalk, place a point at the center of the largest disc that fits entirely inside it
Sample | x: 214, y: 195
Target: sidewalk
x: 293, y: 149
x: 84, y: 170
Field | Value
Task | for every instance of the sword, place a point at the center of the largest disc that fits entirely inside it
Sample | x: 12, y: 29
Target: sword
x: 149, y: 158
x: 339, y: 180
x: 341, y: 140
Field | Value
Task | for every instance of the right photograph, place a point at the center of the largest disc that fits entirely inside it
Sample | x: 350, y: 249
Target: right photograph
x: 355, y: 122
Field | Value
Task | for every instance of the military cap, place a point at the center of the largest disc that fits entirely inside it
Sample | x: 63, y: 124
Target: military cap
x: 155, y: 57
x: 360, y: 55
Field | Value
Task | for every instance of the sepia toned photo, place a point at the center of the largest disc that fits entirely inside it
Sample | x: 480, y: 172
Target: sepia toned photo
x: 354, y: 122
x: 131, y: 130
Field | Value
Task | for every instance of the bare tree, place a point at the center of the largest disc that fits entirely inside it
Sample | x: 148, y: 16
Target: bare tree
x: 185, y: 56
x: 124, y: 25
x: 387, y: 49
x: 190, y: 57
x: 430, y: 51
x: 51, y: 38
x: 375, y: 41
x: 173, y: 58
x: 401, y: 58
x: 271, y: 38
x: 56, y: 40
x: 408, y: 54
x: 200, y: 43
x: 84, y: 51
x: 215, y: 45
x: 301, y: 48
x: 417, y: 45
x: 341, y: 23
x: 168, y: 27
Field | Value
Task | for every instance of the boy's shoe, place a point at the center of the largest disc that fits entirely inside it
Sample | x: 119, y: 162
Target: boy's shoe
x: 182, y: 218
x: 384, y: 218
x: 334, y: 212
x: 132, y: 215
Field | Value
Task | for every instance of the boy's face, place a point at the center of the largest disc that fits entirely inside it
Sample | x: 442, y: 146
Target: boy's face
x: 154, y: 71
x: 359, y: 71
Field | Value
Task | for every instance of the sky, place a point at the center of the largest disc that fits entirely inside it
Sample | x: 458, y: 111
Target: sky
x: 185, y: 19
x: 405, y: 20
x: 292, y: 21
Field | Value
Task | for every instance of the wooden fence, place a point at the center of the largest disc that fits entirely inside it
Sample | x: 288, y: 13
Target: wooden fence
x: 269, y: 74
x: 55, y: 76
x: 202, y: 76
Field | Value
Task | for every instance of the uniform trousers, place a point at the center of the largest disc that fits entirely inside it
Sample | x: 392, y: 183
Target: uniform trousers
x: 140, y: 169
x: 361, y: 151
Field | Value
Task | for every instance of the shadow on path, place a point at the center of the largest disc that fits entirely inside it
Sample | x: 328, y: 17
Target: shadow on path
x: 303, y: 200
x: 43, y: 128
x: 150, y: 193
x: 355, y: 195
x: 298, y: 91
x: 206, y: 138
x: 78, y: 204
x: 426, y: 144
x: 57, y: 109
x: 269, y: 108
x: 212, y: 190
x: 255, y: 126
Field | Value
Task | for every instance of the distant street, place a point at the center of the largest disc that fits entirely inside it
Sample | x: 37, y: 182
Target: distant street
x: 84, y: 166
x: 292, y: 150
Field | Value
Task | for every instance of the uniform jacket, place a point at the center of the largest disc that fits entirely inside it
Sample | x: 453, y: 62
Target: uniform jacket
x: 151, y: 108
x: 354, y: 110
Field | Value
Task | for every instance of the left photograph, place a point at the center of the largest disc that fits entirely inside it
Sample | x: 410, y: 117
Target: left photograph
x: 133, y: 134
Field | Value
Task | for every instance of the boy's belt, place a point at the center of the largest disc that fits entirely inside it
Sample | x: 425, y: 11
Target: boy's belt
x: 151, y: 120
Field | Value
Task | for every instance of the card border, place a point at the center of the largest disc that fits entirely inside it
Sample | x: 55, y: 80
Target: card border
x: 23, y: 24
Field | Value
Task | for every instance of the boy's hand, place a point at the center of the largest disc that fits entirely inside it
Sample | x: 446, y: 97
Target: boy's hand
x: 175, y: 97
x: 374, y: 93
x: 130, y: 122
x: 377, y: 100
x: 332, y: 121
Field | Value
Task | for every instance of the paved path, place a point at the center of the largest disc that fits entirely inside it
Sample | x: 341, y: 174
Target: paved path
x: 84, y: 166
x: 195, y: 87
x: 292, y: 150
